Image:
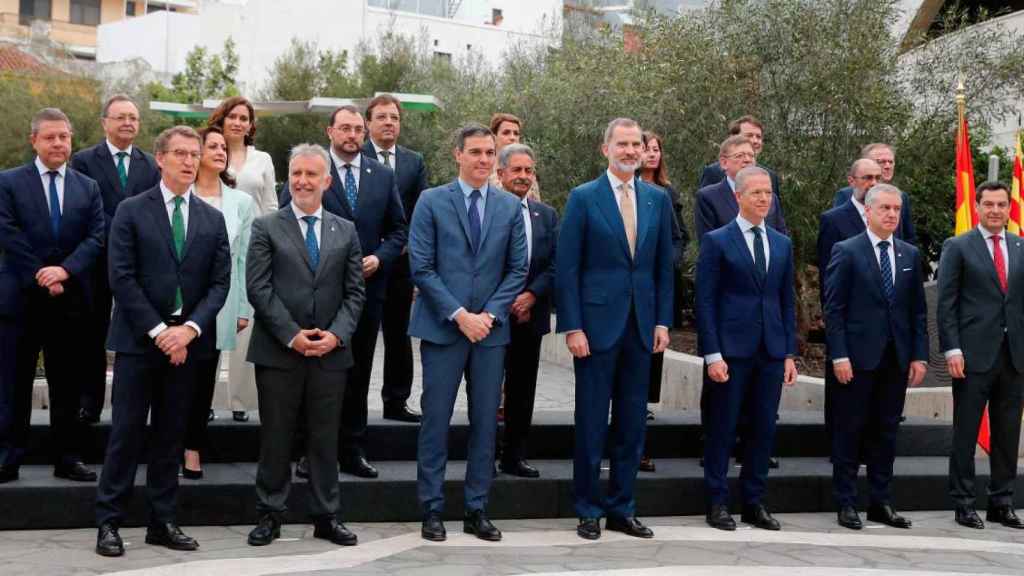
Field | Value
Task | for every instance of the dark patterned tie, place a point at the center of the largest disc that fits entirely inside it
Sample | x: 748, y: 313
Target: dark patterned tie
x: 350, y: 188
x: 122, y: 170
x: 54, y: 204
x: 311, y: 245
x: 886, y: 268
x: 474, y: 220
x: 1000, y: 263
x: 760, y: 262
x: 386, y: 154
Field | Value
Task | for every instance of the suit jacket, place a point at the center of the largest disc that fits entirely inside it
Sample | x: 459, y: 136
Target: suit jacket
x: 972, y: 310
x: 713, y: 174
x: 144, y: 272
x: 449, y: 275
x: 287, y: 296
x: 858, y: 318
x: 738, y: 312
x: 716, y: 206
x: 905, y: 231
x: 540, y: 279
x: 680, y: 237
x: 410, y: 172
x: 597, y: 282
x: 97, y: 163
x: 379, y: 218
x: 239, y: 210
x: 27, y: 242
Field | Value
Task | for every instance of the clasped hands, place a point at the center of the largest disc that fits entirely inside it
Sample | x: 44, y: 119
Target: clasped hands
x: 174, y: 342
x: 52, y: 278
x: 522, y: 306
x: 314, y: 342
x: 476, y: 327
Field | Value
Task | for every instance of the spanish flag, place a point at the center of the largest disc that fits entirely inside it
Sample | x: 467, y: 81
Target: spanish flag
x: 1015, y: 194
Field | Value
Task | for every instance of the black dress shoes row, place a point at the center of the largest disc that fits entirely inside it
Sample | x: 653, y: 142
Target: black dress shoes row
x: 88, y: 417
x: 8, y: 473
x: 848, y: 518
x: 969, y: 517
x: 400, y: 412
x: 589, y: 528
x: 357, y: 465
x: 477, y: 524
x: 628, y: 526
x: 718, y: 517
x: 240, y: 416
x: 758, y: 516
x: 1006, y: 516
x: 433, y: 528
x: 266, y: 531
x: 75, y: 471
x: 647, y: 464
x: 330, y: 529
x: 886, y: 514
x: 169, y: 535
x: 108, y: 541
x: 520, y: 468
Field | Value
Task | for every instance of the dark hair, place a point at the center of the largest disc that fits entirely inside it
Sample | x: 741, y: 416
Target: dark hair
x: 49, y: 115
x: 225, y: 108
x: 734, y: 126
x: 114, y: 100
x: 500, y: 118
x: 470, y: 130
x: 346, y: 108
x: 382, y: 100
x: 990, y: 185
x: 224, y: 176
x: 660, y: 173
x: 161, y: 142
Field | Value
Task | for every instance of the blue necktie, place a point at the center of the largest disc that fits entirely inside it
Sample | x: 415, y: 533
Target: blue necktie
x: 886, y: 268
x: 311, y: 245
x: 54, y: 204
x: 350, y: 188
x: 759, y: 259
x: 474, y: 221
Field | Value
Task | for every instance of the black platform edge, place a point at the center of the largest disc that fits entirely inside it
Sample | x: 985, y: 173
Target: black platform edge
x: 227, y: 495
x: 670, y: 435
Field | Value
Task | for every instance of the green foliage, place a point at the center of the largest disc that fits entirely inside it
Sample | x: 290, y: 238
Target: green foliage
x: 206, y: 75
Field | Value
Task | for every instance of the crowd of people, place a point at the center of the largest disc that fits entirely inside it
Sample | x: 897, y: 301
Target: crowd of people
x: 170, y: 259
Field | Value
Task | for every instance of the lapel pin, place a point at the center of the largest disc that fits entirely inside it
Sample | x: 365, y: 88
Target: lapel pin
x: 368, y: 170
x: 536, y: 213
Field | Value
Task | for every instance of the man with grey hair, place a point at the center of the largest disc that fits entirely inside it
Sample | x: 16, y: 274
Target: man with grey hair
x: 613, y: 291
x: 876, y: 325
x: 885, y: 156
x: 304, y: 278
x: 531, y: 310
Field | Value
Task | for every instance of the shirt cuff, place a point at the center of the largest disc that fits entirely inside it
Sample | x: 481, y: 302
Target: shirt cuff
x: 712, y: 358
x: 292, y: 341
x: 456, y: 313
x: 954, y: 352
x: 660, y: 326
x: 156, y: 330
x: 838, y: 360
x: 195, y: 327
x: 571, y: 332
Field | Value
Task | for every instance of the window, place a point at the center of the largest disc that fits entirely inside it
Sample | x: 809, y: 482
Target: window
x: 29, y: 10
x: 426, y: 7
x: 496, y: 16
x: 86, y: 12
x: 129, y: 8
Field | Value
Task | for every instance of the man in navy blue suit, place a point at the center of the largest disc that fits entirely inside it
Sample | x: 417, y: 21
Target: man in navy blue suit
x: 362, y: 191
x: 170, y: 270
x: 613, y: 291
x: 468, y: 254
x: 531, y: 311
x: 384, y: 123
x: 746, y: 324
x: 876, y: 325
x: 122, y: 170
x: 885, y: 157
x: 753, y: 130
x: 51, y: 234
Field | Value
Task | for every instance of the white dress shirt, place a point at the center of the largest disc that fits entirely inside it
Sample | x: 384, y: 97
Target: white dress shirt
x: 528, y: 223
x: 732, y: 184
x: 127, y: 159
x: 860, y: 209
x: 45, y: 178
x: 393, y: 154
x: 299, y: 215
x: 891, y: 250
x: 617, y: 190
x: 168, y: 197
x: 1006, y: 262
x: 340, y: 165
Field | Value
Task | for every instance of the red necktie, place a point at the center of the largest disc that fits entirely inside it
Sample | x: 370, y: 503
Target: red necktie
x: 997, y: 257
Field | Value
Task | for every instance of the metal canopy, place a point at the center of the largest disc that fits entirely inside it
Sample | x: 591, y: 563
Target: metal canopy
x: 318, y: 105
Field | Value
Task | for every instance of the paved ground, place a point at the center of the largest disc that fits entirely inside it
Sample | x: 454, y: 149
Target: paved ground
x: 810, y: 544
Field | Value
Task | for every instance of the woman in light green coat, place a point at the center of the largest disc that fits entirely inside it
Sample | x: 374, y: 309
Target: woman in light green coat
x: 213, y: 185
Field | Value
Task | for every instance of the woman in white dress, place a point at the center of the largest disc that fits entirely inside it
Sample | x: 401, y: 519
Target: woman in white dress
x: 253, y: 171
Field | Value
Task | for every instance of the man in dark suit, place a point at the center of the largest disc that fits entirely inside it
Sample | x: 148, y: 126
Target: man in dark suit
x: 746, y: 328
x: 170, y: 270
x: 304, y: 277
x: 122, y: 170
x: 716, y: 203
x: 362, y: 191
x: 468, y: 253
x: 876, y: 324
x: 884, y: 156
x: 613, y: 290
x: 531, y: 310
x: 384, y: 123
x: 981, y: 331
x: 750, y: 128
x: 51, y: 234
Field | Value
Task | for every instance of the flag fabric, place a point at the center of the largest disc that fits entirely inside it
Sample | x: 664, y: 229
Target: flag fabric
x: 1015, y: 191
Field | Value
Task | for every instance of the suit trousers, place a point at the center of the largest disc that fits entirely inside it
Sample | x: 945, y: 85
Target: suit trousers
x: 9, y: 339
x: 1001, y: 388
x: 94, y: 358
x: 443, y: 369
x: 145, y: 384
x: 756, y: 382
x: 866, y: 420
x: 207, y: 370
x: 522, y: 360
x: 352, y: 432
x: 618, y: 377
x: 654, y: 385
x: 285, y: 396
x: 398, y: 367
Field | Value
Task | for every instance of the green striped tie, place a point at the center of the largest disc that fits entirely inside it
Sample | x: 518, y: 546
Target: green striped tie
x: 178, y: 230
x: 122, y: 172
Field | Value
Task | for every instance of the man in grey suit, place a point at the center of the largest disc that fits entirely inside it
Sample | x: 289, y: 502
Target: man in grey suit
x: 468, y: 257
x: 304, y: 278
x: 981, y: 332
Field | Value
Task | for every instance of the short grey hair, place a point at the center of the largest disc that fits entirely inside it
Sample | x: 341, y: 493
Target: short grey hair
x: 306, y: 149
x: 618, y: 123
x: 863, y: 161
x: 746, y: 174
x: 164, y: 139
x: 49, y: 115
x: 511, y: 150
x: 877, y: 189
x: 114, y: 100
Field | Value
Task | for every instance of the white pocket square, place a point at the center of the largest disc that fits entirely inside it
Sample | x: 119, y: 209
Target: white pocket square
x: 907, y: 269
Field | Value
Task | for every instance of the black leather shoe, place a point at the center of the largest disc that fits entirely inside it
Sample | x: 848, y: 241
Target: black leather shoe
x: 628, y: 526
x: 433, y: 528
x: 87, y: 417
x: 240, y: 416
x: 266, y: 531
x: 358, y: 466
x: 210, y: 417
x: 969, y: 517
x: 758, y: 516
x: 190, y: 474
x: 848, y: 518
x: 477, y: 524
x: 8, y: 474
x: 773, y: 463
x: 170, y: 536
x: 401, y: 413
x: 1006, y: 516
x: 589, y: 528
x: 302, y: 468
x: 886, y: 514
x: 76, y: 472
x: 520, y: 468
x: 647, y: 464
x: 108, y: 541
x: 330, y: 529
x: 718, y: 517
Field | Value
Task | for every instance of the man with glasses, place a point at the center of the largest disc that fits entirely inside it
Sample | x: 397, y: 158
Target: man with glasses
x: 752, y: 129
x: 716, y: 204
x: 885, y: 157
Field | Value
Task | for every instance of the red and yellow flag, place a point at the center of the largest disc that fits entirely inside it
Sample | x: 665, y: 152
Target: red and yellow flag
x: 1016, y: 223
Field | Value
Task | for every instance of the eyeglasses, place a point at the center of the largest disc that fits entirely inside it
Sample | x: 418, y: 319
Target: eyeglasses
x: 124, y: 118
x: 868, y: 177
x: 741, y: 156
x: 182, y: 155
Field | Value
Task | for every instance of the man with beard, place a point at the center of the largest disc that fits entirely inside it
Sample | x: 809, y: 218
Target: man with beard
x: 885, y: 157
